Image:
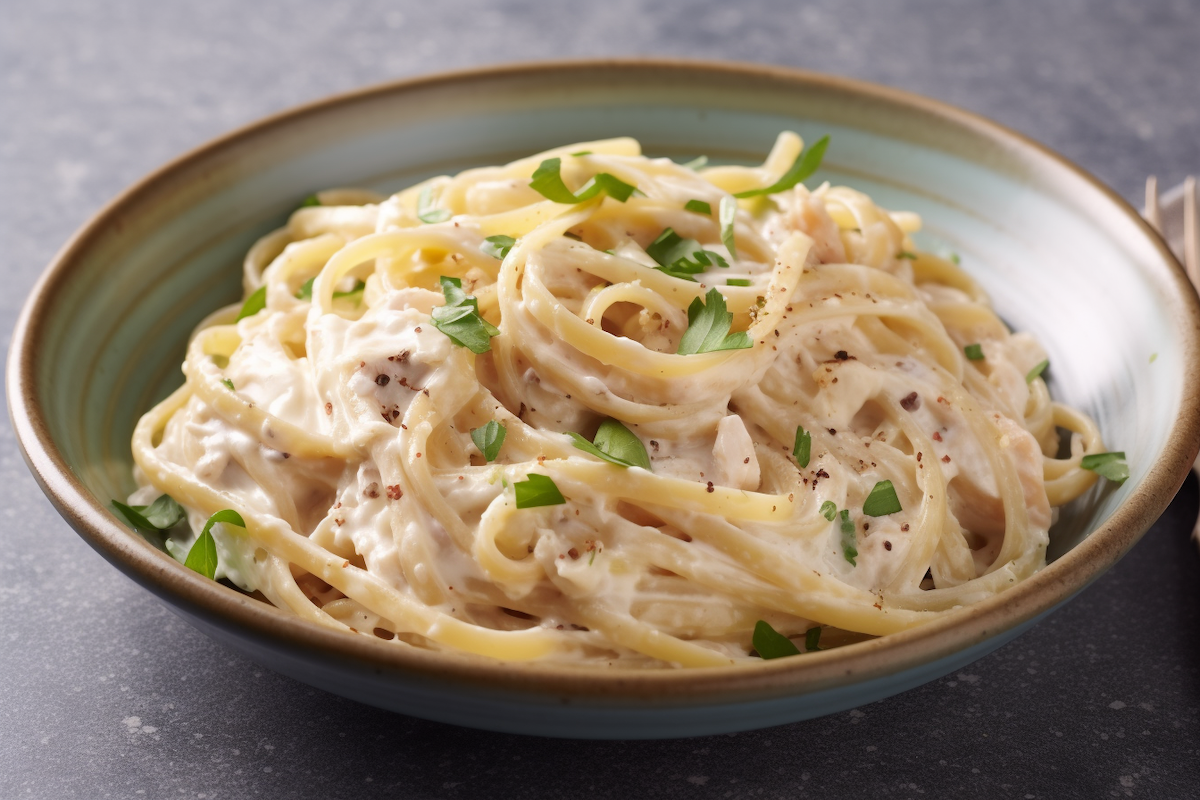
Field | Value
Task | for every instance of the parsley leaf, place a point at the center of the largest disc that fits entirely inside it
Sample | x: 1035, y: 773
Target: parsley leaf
x: 682, y: 258
x: 311, y: 200
x: 228, y: 384
x: 802, y: 450
x: 161, y: 515
x: 459, y: 318
x: 202, y: 557
x: 829, y: 510
x: 882, y: 500
x: 305, y: 291
x: 738, y: 282
x: 497, y: 246
x: 1036, y: 371
x: 255, y: 303
x: 805, y: 165
x: 812, y: 638
x: 770, y: 643
x: 616, y: 444
x: 425, y: 210
x: 1111, y: 465
x: 537, y: 490
x: 547, y: 181
x: 849, y: 549
x: 582, y: 153
x: 489, y: 439
x: 974, y: 352
x: 698, y: 206
x: 358, y: 288
x: 728, y: 214
x: 906, y: 255
x: 955, y: 259
x: 708, y: 326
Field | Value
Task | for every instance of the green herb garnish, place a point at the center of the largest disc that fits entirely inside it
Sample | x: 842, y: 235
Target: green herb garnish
x: 882, y: 500
x: 202, y: 557
x: 1111, y: 465
x: 738, y: 282
x: 1036, y: 371
x: 770, y: 643
x: 537, y: 490
x: 489, y: 439
x: 305, y: 291
x: 614, y: 443
x: 547, y: 181
x: 582, y: 153
x: 954, y: 259
x: 311, y: 200
x: 805, y: 165
x: 460, y: 320
x: 698, y: 206
x: 974, y: 352
x: 802, y: 450
x: 228, y: 384
x: 812, y: 638
x: 255, y: 303
x: 907, y: 255
x: 708, y: 328
x: 728, y: 214
x: 425, y: 210
x: 358, y: 288
x: 682, y: 258
x: 849, y: 549
x: 829, y: 510
x: 161, y: 515
x: 497, y: 246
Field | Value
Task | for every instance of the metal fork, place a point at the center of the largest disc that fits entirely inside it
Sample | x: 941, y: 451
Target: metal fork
x: 1191, y: 254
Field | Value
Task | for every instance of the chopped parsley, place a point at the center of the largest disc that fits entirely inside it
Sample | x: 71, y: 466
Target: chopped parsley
x: 698, y: 206
x: 537, y: 490
x: 255, y: 303
x: 728, y: 214
x: 1111, y: 465
x: 770, y: 643
x: 582, y: 153
x: 616, y: 444
x: 489, y: 439
x: 161, y: 515
x: 974, y: 352
x: 305, y: 291
x: 460, y: 320
x: 708, y: 328
x: 310, y: 201
x: 1036, y: 371
x: 425, y: 209
x: 829, y: 510
x: 497, y: 246
x: 849, y: 548
x: 358, y: 289
x: 954, y: 259
x: 802, y: 450
x: 738, y: 282
x: 228, y: 384
x: 907, y: 255
x: 682, y: 258
x: 882, y: 500
x: 805, y: 165
x: 202, y: 557
x: 812, y: 638
x: 547, y: 181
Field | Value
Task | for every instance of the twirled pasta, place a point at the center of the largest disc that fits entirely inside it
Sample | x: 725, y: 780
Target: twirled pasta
x: 339, y: 425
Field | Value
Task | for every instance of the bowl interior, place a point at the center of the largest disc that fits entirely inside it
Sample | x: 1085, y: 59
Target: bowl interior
x: 1058, y: 257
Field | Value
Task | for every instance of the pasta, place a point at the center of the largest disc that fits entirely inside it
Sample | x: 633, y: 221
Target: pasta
x: 425, y: 415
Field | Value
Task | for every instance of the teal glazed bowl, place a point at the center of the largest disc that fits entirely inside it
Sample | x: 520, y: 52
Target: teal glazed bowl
x: 102, y: 336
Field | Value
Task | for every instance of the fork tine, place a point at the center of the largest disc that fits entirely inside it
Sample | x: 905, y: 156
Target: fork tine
x: 1191, y: 231
x: 1152, y: 213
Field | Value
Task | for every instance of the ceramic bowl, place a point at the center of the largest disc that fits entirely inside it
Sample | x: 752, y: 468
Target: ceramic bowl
x: 102, y: 337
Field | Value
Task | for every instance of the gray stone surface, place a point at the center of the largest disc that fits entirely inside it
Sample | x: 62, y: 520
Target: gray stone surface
x: 104, y: 693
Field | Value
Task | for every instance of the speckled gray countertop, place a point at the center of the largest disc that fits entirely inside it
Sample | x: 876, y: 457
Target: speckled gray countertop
x: 105, y: 693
